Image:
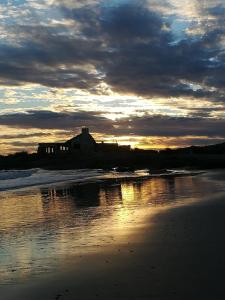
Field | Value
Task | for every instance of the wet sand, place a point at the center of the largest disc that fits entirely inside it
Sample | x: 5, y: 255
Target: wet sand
x: 179, y: 253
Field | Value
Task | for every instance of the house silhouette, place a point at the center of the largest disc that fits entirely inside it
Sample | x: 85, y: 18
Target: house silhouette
x: 82, y: 143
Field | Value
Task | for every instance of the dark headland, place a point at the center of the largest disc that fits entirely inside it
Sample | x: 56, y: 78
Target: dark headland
x: 83, y: 152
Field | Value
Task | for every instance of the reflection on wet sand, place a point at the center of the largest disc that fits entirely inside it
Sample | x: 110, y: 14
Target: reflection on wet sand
x: 42, y: 228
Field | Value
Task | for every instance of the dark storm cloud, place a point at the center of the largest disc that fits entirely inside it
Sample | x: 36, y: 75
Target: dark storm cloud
x: 157, y: 126
x: 148, y: 63
x: 218, y: 11
x: 49, y: 60
x: 172, y: 126
x: 129, y: 46
x: 56, y: 120
x: 130, y: 21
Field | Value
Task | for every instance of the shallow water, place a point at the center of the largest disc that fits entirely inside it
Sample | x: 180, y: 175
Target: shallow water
x: 43, y: 228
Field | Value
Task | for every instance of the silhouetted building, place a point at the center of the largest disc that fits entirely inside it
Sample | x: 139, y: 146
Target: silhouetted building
x: 82, y: 143
x: 111, y: 147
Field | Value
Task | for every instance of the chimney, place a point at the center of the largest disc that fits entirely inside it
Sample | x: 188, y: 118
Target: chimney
x: 85, y: 130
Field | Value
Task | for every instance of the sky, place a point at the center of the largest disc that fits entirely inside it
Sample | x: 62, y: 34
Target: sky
x: 149, y: 73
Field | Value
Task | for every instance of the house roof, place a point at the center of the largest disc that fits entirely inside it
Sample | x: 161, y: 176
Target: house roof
x: 81, y: 138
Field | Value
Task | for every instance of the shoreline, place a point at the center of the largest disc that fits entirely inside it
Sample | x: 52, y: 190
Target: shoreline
x: 115, y: 178
x: 178, y: 254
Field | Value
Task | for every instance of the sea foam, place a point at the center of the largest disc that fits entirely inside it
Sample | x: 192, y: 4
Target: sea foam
x: 23, y: 178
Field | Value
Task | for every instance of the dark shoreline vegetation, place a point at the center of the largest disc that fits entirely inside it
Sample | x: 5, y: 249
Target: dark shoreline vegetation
x: 206, y: 157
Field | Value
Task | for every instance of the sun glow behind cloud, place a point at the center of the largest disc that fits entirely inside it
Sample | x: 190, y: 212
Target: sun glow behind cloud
x: 102, y: 63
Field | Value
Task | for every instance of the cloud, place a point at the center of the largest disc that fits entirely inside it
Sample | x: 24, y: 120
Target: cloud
x: 23, y: 136
x: 147, y: 62
x: 172, y: 126
x: 128, y: 45
x: 22, y: 144
x: 156, y: 125
x: 56, y: 120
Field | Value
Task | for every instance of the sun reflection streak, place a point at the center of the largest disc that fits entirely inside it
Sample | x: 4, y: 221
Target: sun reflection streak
x: 45, y: 228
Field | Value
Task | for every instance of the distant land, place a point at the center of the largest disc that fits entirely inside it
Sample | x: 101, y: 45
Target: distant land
x: 199, y: 157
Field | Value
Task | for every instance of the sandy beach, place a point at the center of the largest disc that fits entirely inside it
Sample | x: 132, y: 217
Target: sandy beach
x: 179, y: 253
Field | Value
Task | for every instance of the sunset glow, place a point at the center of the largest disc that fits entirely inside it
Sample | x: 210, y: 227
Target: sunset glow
x: 148, y: 73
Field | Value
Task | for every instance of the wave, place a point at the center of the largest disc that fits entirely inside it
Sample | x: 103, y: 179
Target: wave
x: 13, y: 174
x: 15, y: 179
x: 24, y: 178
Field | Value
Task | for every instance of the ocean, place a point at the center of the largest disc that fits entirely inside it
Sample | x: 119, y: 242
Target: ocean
x: 47, y: 218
